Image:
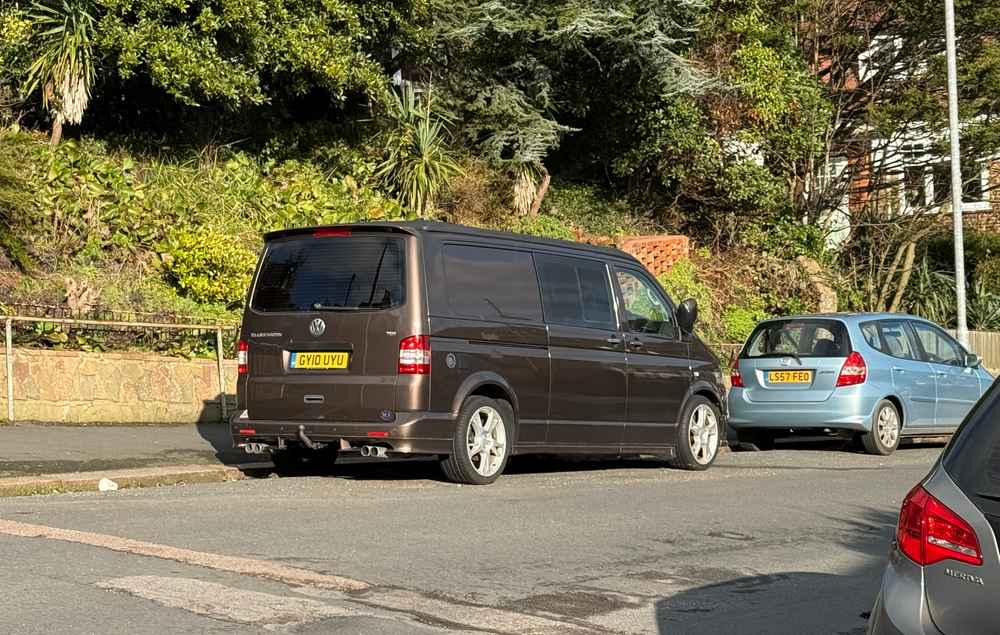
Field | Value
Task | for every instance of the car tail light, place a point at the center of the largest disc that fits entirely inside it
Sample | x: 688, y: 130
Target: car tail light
x: 929, y: 532
x: 242, y: 353
x: 415, y: 355
x: 735, y: 378
x: 325, y: 233
x: 854, y: 370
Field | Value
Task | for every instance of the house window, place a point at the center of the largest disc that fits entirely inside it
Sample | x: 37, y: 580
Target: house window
x: 972, y: 183
x: 916, y: 186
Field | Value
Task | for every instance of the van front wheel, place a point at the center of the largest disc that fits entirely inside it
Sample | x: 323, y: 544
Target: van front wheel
x: 698, y: 435
x: 482, y: 442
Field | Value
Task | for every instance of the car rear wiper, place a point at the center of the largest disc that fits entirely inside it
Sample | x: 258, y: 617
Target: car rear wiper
x: 792, y: 355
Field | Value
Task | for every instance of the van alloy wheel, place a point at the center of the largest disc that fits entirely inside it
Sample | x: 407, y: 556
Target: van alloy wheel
x: 486, y: 440
x: 703, y: 434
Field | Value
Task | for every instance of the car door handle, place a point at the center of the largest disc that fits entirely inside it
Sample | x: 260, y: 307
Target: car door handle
x: 899, y: 370
x: 941, y: 373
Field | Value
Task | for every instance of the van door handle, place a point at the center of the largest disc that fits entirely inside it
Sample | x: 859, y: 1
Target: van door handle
x: 614, y: 340
x: 635, y: 343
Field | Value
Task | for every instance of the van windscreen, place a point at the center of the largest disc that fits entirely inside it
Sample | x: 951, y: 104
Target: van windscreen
x: 331, y: 273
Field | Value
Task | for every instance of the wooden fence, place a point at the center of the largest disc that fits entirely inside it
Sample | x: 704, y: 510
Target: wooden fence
x: 986, y: 344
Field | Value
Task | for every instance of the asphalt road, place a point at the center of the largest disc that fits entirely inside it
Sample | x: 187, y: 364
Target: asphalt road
x: 788, y: 541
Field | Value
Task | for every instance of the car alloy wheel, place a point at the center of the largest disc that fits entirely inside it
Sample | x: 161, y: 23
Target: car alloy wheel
x: 703, y: 434
x: 887, y: 425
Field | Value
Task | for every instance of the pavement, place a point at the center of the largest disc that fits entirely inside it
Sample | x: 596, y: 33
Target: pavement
x: 786, y: 541
x: 53, y: 449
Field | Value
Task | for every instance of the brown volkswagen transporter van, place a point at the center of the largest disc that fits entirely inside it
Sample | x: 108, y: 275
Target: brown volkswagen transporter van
x: 428, y: 338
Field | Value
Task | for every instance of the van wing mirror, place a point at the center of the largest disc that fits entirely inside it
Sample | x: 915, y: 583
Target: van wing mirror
x: 687, y: 315
x: 972, y: 360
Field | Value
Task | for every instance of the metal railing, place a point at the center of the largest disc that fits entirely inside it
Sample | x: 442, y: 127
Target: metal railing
x: 9, y: 321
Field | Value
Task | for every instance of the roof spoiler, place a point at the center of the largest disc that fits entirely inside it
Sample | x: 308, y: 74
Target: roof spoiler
x: 334, y: 229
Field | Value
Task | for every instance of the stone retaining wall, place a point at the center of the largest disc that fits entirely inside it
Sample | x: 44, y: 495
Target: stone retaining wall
x: 79, y: 387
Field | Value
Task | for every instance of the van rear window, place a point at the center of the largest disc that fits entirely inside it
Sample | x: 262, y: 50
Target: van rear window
x: 331, y: 273
x: 801, y: 338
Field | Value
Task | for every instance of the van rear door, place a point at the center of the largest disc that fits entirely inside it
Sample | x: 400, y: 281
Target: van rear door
x: 323, y: 326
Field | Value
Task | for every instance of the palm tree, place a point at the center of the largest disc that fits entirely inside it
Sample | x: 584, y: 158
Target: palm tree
x: 63, y: 69
x: 417, y: 162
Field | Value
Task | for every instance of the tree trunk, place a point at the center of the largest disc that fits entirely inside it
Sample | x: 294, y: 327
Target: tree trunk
x: 540, y: 193
x: 904, y: 277
x: 57, y: 126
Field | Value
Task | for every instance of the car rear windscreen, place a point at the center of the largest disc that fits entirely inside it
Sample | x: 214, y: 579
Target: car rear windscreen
x: 330, y: 273
x: 972, y: 458
x: 801, y: 338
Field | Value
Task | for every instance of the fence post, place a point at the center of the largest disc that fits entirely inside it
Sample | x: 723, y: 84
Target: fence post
x: 9, y: 360
x: 222, y: 373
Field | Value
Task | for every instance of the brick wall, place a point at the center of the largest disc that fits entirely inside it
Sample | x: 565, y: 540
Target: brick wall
x: 657, y: 253
x: 79, y: 387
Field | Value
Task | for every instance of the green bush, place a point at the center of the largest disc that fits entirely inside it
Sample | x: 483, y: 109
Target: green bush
x: 988, y: 274
x: 787, y: 238
x: 739, y: 321
x: 541, y: 225
x: 593, y: 211
x: 681, y: 282
x: 209, y: 266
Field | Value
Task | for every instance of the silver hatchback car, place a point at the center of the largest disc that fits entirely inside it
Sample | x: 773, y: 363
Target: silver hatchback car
x: 944, y: 568
x: 878, y: 376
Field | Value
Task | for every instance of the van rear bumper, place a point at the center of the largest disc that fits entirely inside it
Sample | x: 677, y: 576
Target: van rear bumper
x: 410, y: 433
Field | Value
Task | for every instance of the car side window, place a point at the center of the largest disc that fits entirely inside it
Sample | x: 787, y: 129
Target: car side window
x: 645, y: 309
x: 575, y: 292
x: 870, y: 331
x: 937, y: 346
x: 895, y: 340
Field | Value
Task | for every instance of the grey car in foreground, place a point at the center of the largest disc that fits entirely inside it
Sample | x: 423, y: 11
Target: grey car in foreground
x: 878, y: 376
x: 944, y: 569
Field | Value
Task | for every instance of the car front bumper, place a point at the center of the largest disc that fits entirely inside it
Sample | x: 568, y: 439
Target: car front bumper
x: 410, y: 433
x: 845, y: 409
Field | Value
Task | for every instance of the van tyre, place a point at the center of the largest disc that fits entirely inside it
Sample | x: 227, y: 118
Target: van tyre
x: 482, y: 441
x: 698, y: 435
x: 883, y: 438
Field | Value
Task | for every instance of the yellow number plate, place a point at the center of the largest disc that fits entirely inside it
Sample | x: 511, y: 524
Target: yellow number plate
x: 789, y: 376
x: 322, y: 361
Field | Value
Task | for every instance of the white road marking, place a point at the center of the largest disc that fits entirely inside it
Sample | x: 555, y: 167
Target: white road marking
x: 244, y: 566
x: 226, y: 603
x: 312, y: 583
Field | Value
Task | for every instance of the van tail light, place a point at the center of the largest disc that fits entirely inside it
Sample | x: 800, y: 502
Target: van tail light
x: 854, y: 370
x: 735, y: 378
x: 415, y: 355
x: 327, y: 232
x: 929, y: 532
x: 242, y: 353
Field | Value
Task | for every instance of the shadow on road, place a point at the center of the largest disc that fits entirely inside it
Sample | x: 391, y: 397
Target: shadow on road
x: 791, y: 602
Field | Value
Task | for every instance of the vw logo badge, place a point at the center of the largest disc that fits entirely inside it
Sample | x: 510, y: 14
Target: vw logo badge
x: 317, y: 327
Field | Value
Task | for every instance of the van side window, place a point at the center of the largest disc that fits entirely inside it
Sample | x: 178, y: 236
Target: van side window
x: 484, y: 283
x: 645, y: 310
x: 575, y: 292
